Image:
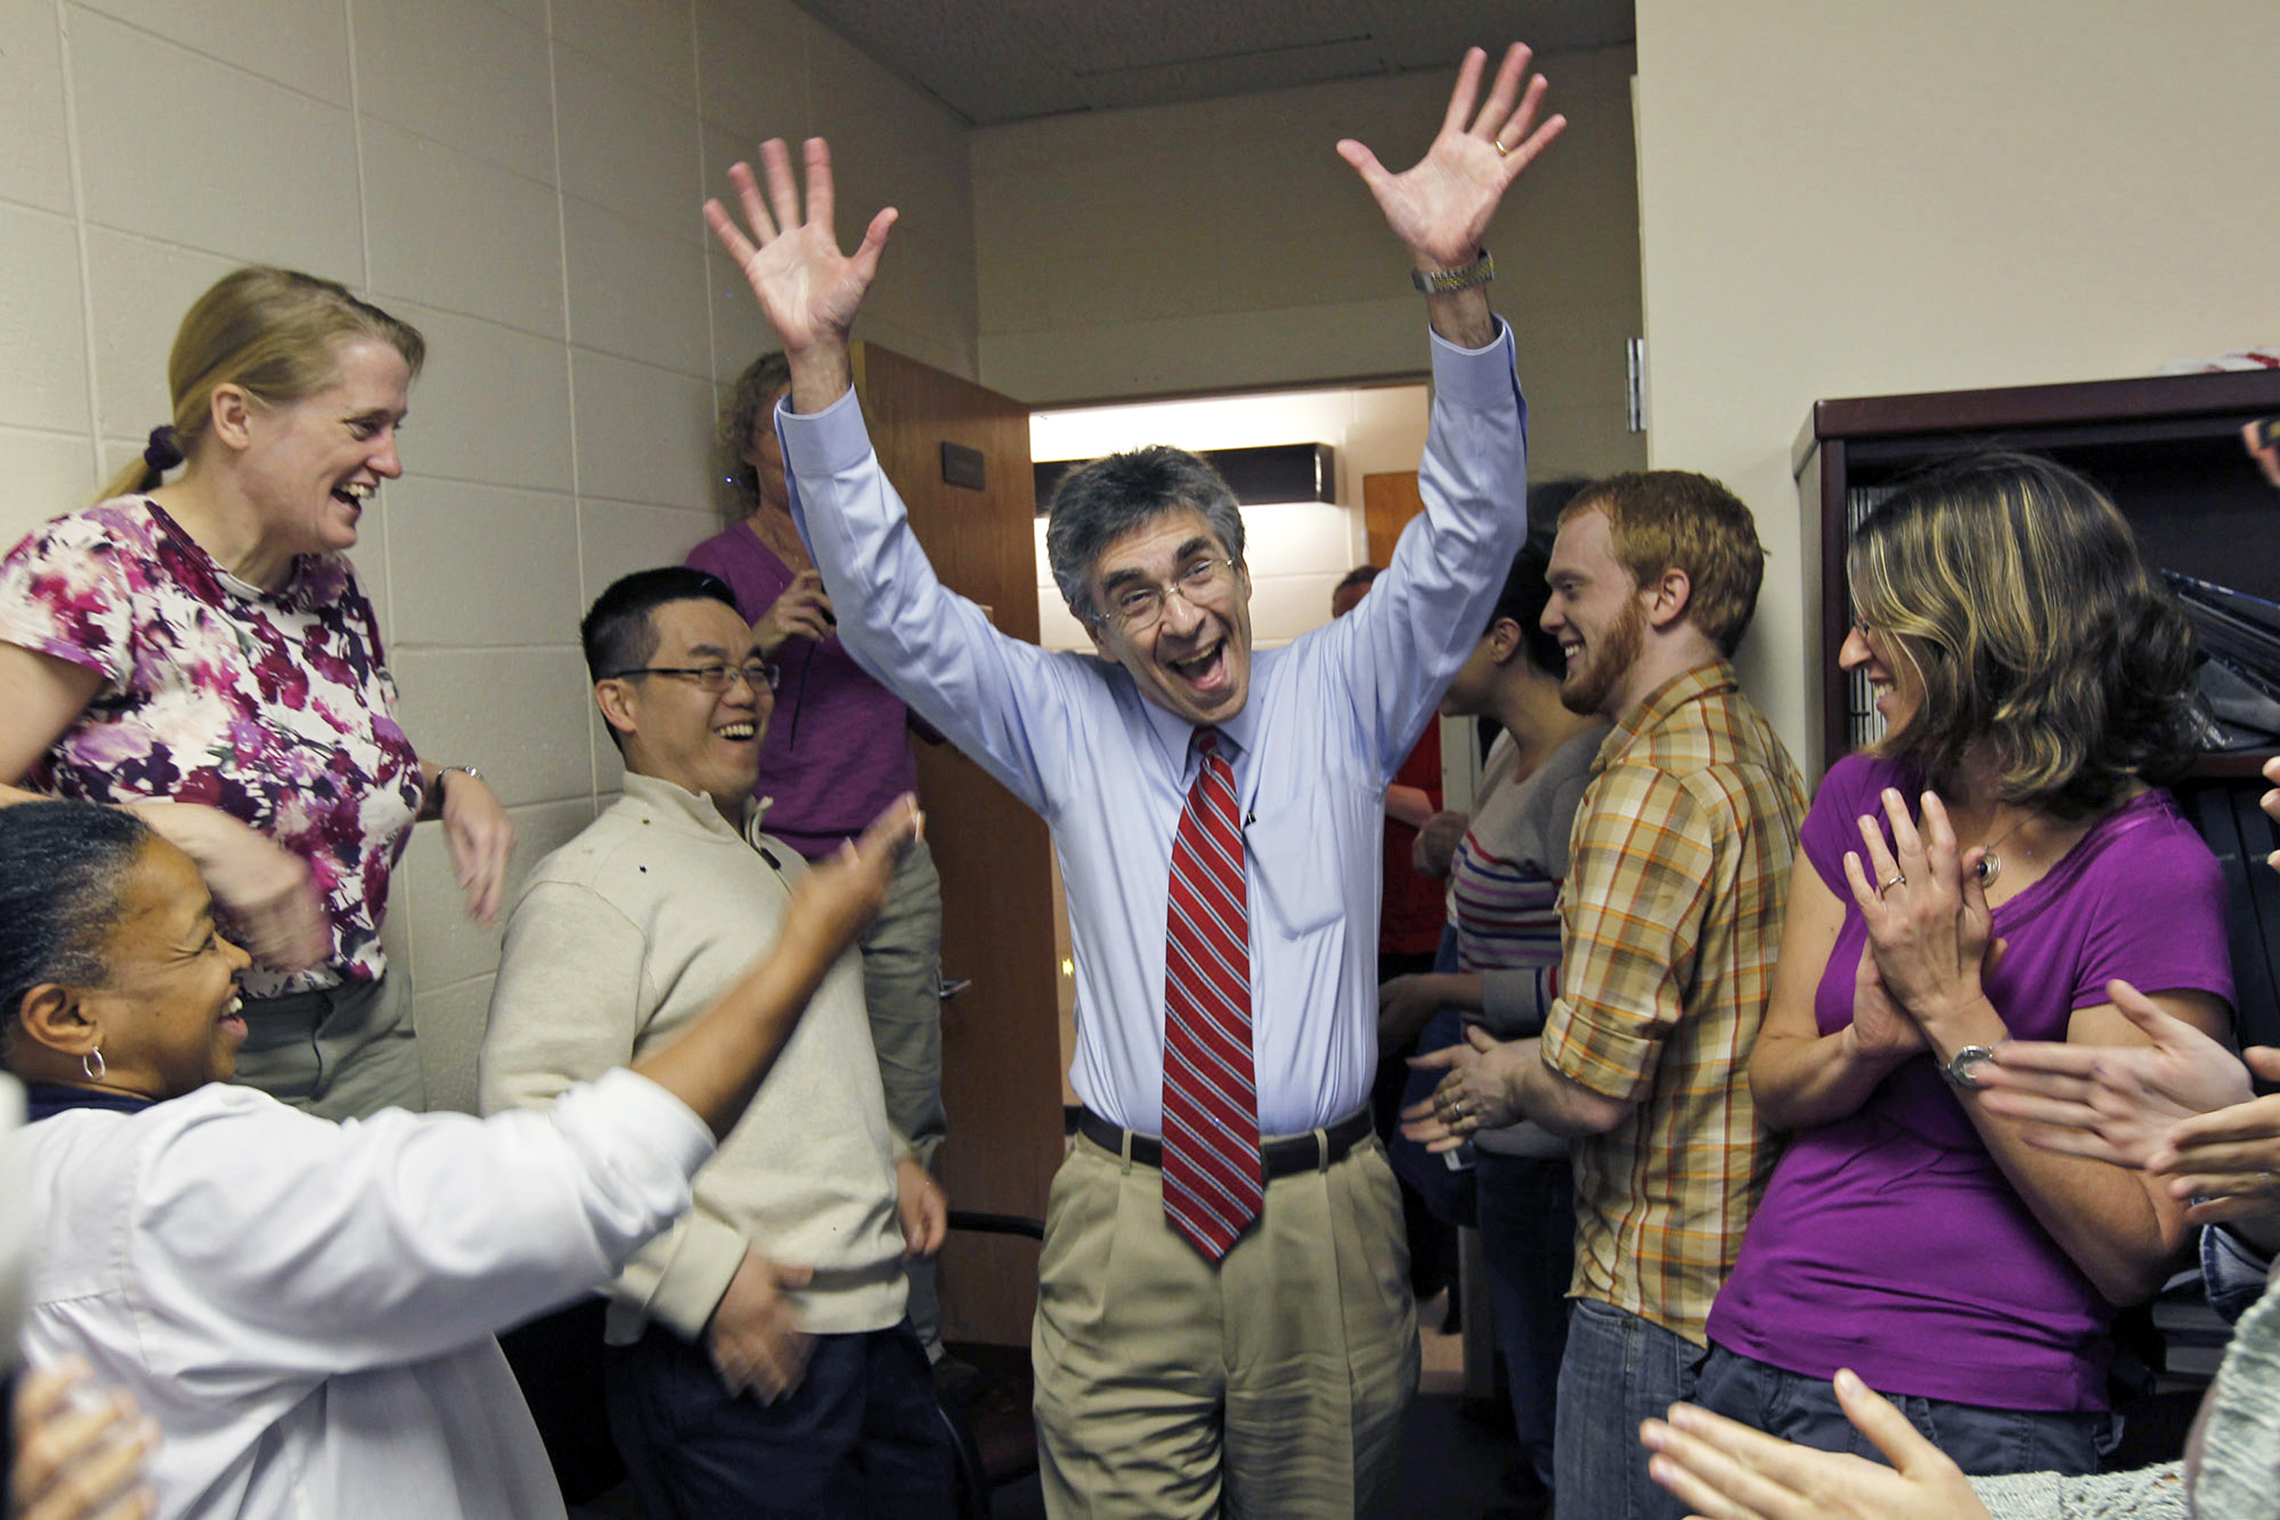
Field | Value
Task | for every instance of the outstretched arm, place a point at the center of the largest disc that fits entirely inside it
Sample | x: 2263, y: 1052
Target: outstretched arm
x: 1441, y: 206
x: 807, y: 288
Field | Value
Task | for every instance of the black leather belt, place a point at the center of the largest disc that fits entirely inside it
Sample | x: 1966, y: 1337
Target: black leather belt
x: 1299, y: 1153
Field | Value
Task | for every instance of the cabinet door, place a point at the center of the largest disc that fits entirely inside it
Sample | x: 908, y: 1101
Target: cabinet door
x: 1001, y: 1049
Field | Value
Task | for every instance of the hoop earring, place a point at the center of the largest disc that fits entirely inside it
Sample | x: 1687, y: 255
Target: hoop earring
x: 92, y: 1064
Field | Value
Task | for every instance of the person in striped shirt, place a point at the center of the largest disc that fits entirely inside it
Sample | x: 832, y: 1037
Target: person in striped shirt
x: 1504, y: 885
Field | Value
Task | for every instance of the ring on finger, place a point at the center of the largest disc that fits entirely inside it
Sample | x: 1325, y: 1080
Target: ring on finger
x: 1897, y: 880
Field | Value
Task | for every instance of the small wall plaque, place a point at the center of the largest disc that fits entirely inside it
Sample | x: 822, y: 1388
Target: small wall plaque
x: 962, y: 466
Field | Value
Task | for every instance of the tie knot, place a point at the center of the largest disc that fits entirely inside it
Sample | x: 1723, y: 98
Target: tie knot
x: 1206, y: 741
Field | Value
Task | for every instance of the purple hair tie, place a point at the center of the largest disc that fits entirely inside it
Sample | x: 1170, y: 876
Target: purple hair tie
x: 164, y: 451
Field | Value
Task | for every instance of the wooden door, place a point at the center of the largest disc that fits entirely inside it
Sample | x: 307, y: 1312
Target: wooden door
x: 1001, y: 1078
x: 1388, y: 502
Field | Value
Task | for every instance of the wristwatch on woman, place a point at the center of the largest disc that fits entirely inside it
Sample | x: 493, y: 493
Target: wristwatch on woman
x: 1961, y: 1068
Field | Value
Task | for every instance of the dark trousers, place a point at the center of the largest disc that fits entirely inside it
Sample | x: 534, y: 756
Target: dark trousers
x: 1527, y: 1236
x: 862, y: 1435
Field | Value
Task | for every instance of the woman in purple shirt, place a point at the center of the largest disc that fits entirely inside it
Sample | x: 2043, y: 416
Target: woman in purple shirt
x: 1979, y: 875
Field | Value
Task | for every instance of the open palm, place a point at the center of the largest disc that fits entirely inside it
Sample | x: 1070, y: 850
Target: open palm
x: 808, y: 290
x: 1440, y: 207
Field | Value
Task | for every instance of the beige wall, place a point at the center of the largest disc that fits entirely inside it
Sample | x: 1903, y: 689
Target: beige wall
x: 1224, y: 244
x: 522, y: 181
x: 1859, y: 199
x: 1297, y: 551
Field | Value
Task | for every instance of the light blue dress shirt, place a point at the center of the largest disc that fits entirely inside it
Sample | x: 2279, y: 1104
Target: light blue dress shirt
x: 1330, y: 719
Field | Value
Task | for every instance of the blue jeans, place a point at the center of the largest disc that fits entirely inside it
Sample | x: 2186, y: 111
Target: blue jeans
x: 1983, y: 1442
x: 1619, y: 1370
x: 862, y: 1435
x: 1527, y: 1234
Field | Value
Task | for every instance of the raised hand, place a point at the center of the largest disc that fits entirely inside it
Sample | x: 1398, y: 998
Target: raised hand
x: 808, y: 290
x: 1440, y: 207
x: 2114, y: 1103
x: 839, y: 896
x: 266, y: 887
x: 1721, y: 1468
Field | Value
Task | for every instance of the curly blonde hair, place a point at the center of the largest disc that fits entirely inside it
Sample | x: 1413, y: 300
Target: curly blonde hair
x: 2044, y: 643
x: 755, y: 388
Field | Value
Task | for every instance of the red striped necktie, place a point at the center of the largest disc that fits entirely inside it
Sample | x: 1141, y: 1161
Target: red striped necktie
x: 1213, y: 1179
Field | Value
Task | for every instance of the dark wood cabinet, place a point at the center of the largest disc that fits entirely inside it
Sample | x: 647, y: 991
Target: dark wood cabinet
x: 2168, y: 448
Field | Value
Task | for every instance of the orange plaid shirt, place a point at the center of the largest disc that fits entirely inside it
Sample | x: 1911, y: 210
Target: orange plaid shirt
x: 1671, y: 921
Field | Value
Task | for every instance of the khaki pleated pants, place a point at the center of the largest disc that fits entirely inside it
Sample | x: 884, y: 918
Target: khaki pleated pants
x: 1272, y: 1384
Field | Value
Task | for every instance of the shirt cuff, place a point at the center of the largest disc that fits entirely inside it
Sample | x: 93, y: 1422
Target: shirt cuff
x: 1608, y: 1062
x: 1478, y: 379
x: 2233, y: 1272
x: 825, y: 442
x: 706, y: 1254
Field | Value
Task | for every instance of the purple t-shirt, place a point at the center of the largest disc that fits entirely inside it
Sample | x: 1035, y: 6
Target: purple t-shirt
x: 1890, y: 1242
x: 837, y: 750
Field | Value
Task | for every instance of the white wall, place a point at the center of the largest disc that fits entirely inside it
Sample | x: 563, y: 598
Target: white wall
x: 1844, y: 200
x: 1223, y: 244
x: 519, y: 179
x: 1298, y: 551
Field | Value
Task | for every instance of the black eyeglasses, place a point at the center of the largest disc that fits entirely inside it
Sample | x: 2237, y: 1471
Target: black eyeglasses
x: 714, y: 678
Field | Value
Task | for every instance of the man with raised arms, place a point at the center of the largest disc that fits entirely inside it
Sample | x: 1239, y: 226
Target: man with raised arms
x: 1223, y: 1318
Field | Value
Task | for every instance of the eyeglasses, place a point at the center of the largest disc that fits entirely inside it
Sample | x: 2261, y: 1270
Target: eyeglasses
x: 714, y: 678
x: 1138, y: 608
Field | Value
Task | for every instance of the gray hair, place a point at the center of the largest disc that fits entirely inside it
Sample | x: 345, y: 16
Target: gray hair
x: 1098, y: 503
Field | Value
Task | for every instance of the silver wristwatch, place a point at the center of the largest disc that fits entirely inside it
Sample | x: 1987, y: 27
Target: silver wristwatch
x: 1961, y: 1066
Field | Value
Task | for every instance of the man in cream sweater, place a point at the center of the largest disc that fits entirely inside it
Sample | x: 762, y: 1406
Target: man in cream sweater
x: 760, y: 1358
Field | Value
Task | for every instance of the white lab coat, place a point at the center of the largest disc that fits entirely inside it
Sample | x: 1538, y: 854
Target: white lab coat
x: 308, y: 1308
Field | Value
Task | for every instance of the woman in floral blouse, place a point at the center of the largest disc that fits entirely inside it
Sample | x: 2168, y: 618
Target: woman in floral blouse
x: 201, y: 650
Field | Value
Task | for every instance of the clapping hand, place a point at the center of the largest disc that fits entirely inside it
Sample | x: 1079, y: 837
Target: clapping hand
x: 1478, y: 1093
x: 1929, y: 927
x: 78, y: 1458
x: 2114, y: 1103
x: 840, y: 895
x: 1434, y: 850
x: 1441, y: 206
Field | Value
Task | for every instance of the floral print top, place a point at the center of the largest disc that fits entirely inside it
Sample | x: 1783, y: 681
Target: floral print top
x: 275, y: 707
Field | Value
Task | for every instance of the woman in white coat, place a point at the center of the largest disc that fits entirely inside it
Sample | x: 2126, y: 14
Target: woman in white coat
x: 307, y: 1308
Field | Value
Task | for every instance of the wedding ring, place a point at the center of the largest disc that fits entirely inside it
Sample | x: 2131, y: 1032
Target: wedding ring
x: 1501, y: 150
x: 1897, y: 880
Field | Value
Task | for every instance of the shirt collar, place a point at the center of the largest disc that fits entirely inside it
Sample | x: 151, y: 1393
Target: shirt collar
x: 1662, y: 703
x: 44, y: 1100
x: 1177, y: 735
x: 679, y: 802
